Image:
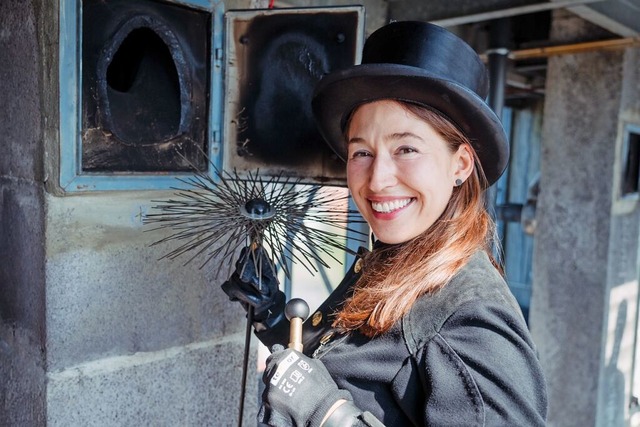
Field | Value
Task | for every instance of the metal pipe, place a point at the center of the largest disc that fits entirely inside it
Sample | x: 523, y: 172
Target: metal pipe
x: 497, y: 59
x: 569, y: 49
x: 497, y: 55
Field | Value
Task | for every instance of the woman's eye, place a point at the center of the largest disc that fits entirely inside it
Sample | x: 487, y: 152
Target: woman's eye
x: 407, y: 150
x: 360, y: 153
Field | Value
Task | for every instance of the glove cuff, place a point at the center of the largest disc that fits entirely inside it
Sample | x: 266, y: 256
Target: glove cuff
x: 316, y: 418
x: 344, y: 415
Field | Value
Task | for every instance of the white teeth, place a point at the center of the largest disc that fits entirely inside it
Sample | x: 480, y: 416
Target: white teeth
x: 386, y: 207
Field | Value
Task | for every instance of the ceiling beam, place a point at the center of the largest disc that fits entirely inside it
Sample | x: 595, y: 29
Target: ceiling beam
x: 619, y: 18
x: 510, y: 11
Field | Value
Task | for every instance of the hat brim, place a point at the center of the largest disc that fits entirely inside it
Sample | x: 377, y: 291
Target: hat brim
x: 337, y: 94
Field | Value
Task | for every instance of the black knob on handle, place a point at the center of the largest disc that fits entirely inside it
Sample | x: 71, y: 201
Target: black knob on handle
x: 297, y: 307
x: 297, y: 311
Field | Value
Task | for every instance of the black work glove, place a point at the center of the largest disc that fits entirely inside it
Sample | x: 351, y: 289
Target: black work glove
x: 254, y: 284
x: 299, y: 391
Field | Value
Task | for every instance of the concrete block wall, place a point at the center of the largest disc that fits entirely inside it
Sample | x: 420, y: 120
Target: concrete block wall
x: 94, y: 329
x: 132, y: 338
x: 619, y: 379
x: 585, y: 290
x: 22, y: 219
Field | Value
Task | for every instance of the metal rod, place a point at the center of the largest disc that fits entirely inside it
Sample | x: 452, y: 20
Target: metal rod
x: 295, y: 334
x: 256, y: 241
x: 245, y: 363
x: 542, y: 52
x: 570, y: 49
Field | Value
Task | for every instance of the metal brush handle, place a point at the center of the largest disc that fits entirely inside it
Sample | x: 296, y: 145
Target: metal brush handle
x: 297, y: 311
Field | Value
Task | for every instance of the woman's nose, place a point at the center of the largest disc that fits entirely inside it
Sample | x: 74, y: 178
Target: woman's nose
x: 382, y: 173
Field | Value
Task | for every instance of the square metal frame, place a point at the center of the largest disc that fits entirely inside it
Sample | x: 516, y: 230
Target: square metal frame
x: 323, y: 170
x: 71, y: 177
x: 628, y: 129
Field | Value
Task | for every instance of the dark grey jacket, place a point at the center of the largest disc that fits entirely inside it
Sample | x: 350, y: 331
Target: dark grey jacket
x: 461, y: 357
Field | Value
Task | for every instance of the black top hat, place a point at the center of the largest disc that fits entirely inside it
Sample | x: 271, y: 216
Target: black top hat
x: 421, y: 63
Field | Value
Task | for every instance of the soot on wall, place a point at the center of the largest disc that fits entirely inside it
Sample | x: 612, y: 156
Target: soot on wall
x: 145, y: 85
x: 280, y: 58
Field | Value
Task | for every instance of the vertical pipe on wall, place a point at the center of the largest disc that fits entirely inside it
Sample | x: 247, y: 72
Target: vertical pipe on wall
x: 497, y: 58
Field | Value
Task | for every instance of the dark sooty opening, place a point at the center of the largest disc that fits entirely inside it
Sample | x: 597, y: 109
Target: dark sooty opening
x: 144, y: 88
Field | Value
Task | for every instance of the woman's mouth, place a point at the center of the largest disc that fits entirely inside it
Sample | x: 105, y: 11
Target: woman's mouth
x: 390, y: 206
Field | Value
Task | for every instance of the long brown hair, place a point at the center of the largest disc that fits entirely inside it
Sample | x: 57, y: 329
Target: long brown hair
x: 395, y: 276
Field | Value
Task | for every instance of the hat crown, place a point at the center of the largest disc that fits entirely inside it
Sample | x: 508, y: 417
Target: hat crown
x: 424, y: 64
x: 430, y: 48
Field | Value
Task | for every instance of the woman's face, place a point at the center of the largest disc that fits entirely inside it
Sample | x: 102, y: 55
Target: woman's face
x: 400, y: 172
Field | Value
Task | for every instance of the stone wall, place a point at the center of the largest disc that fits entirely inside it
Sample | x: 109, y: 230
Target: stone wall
x: 22, y: 218
x: 586, y: 245
x: 94, y: 329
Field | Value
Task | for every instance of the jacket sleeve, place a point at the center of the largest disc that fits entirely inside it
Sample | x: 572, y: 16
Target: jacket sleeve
x: 481, y: 369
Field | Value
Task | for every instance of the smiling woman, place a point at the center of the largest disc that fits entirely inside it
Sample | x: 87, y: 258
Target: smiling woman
x: 423, y: 330
x: 398, y: 169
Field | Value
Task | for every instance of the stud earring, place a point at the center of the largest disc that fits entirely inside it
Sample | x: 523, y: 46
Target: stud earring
x: 458, y: 182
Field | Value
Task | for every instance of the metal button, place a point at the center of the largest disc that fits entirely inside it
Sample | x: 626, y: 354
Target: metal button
x: 326, y: 337
x: 358, y: 266
x: 317, y: 318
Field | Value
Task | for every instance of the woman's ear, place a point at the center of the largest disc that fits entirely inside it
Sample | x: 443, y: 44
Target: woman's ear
x: 463, y: 162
